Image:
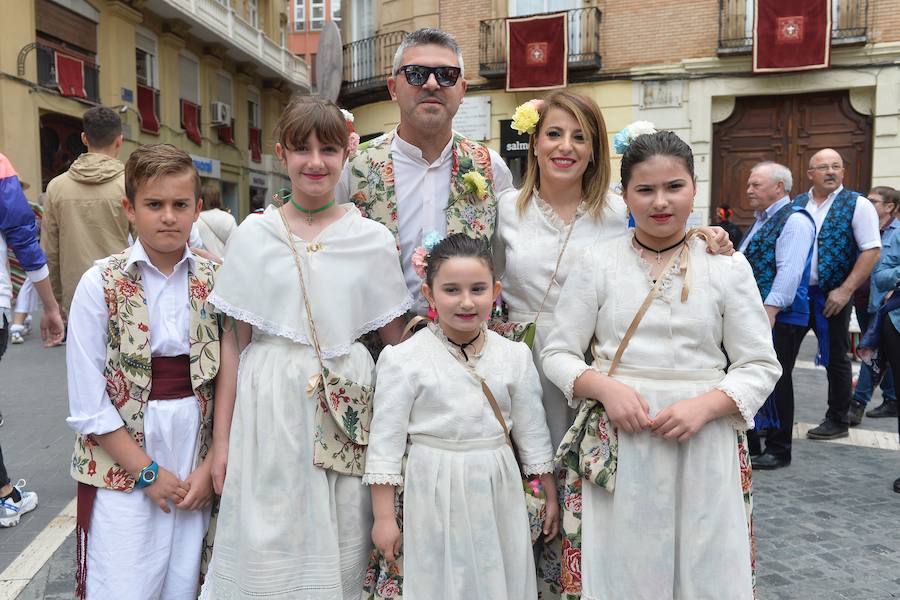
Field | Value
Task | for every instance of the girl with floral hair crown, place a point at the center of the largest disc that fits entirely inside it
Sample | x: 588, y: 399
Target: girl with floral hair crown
x: 564, y: 206
x: 683, y: 359
x: 302, y: 282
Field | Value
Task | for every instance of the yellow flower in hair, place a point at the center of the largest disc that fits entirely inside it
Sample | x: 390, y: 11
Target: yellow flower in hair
x: 475, y: 184
x: 526, y: 117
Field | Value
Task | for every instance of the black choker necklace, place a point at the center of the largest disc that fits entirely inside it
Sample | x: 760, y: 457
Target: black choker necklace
x: 462, y: 347
x: 661, y: 250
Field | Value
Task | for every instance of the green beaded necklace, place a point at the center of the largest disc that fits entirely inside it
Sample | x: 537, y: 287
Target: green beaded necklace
x: 309, y: 213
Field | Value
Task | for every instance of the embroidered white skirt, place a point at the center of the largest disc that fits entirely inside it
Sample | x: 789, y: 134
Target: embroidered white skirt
x: 465, y: 525
x: 676, y: 526
x: 286, y: 528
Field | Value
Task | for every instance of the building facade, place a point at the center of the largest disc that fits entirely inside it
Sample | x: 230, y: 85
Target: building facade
x: 307, y: 19
x: 208, y: 76
x: 684, y: 65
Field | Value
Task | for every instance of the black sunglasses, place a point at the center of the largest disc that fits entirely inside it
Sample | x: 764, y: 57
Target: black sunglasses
x: 417, y: 75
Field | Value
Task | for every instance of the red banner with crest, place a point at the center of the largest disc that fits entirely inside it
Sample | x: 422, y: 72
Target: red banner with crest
x: 537, y: 52
x: 791, y: 35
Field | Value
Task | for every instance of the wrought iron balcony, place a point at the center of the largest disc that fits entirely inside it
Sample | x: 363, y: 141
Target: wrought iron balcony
x: 849, y: 24
x: 47, y: 76
x: 367, y: 65
x: 584, y: 43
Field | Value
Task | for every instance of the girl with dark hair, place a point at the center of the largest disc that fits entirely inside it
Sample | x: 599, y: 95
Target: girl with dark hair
x: 455, y: 391
x: 658, y: 444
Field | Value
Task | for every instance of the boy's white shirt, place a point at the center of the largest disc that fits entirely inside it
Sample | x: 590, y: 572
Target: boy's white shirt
x: 90, y: 409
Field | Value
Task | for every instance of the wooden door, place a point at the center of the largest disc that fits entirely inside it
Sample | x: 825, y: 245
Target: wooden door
x: 787, y: 130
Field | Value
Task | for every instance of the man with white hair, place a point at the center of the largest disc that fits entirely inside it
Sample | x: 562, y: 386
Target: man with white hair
x: 411, y: 178
x: 779, y: 249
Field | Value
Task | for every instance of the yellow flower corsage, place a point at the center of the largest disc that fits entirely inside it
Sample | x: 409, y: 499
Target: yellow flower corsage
x: 527, y: 115
x: 475, y: 184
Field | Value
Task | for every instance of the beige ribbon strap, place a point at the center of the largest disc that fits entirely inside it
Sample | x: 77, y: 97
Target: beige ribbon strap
x: 684, y: 256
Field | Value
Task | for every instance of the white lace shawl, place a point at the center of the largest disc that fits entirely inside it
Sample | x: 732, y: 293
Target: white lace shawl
x: 352, y: 270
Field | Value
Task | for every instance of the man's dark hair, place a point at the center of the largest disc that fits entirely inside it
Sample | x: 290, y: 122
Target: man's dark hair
x: 102, y: 126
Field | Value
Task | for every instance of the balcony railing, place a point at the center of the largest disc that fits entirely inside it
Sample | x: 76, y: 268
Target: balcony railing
x: 46, y: 71
x: 222, y: 20
x: 584, y: 42
x: 367, y: 63
x: 849, y: 24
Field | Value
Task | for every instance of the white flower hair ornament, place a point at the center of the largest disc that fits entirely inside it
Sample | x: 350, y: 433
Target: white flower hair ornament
x: 353, y: 138
x: 627, y: 135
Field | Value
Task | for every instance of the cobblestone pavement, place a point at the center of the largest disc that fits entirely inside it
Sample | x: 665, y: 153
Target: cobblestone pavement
x: 828, y: 526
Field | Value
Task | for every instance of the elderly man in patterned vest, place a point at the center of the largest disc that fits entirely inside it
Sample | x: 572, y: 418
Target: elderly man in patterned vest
x: 848, y: 244
x: 779, y: 247
x: 423, y: 176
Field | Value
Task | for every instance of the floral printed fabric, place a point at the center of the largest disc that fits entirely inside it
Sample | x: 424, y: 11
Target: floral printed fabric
x: 471, y: 208
x: 128, y: 372
x: 343, y: 418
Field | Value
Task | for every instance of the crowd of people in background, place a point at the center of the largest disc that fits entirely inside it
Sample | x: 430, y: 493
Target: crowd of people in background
x: 259, y: 410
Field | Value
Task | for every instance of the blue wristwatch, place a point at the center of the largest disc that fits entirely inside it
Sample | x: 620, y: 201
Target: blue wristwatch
x: 147, y: 476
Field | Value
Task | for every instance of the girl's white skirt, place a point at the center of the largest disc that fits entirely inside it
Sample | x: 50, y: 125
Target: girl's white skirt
x: 676, y: 525
x: 465, y: 525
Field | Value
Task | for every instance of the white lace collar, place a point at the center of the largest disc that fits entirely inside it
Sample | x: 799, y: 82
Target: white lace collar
x: 454, y: 348
x: 550, y: 213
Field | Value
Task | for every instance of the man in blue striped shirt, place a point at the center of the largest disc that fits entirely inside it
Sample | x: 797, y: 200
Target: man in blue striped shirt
x: 779, y: 248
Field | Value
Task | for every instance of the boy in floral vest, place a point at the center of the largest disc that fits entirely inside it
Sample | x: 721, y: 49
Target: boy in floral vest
x: 142, y: 352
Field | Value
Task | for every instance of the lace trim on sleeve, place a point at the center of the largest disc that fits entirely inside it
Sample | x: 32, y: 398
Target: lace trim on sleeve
x: 382, y: 479
x: 570, y: 386
x: 745, y: 420
x: 538, y: 469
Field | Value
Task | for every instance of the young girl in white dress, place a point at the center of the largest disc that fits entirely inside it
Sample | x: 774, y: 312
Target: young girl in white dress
x: 667, y: 519
x: 465, y: 524
x: 287, y: 528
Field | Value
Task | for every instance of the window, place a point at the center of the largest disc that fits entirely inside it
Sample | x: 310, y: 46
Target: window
x: 253, y: 12
x: 336, y: 12
x: 189, y: 78
x: 317, y: 15
x: 253, y: 118
x: 299, y: 15
x: 145, y: 58
x: 223, y: 89
x: 520, y: 8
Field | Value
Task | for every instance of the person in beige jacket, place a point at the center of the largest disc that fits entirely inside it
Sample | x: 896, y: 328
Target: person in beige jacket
x: 83, y: 216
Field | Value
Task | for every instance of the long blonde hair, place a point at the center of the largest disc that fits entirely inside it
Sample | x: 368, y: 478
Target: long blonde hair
x: 595, y: 181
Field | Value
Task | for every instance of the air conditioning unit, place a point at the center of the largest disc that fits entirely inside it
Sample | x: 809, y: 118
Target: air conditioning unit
x: 220, y: 114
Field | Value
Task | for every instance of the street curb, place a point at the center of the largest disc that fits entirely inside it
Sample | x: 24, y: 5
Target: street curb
x: 22, y: 570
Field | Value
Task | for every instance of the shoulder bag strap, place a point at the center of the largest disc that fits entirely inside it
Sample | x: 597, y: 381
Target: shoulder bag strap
x: 556, y: 269
x: 654, y: 291
x: 309, y: 317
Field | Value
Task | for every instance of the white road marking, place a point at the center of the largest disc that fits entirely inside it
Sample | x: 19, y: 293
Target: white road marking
x: 22, y: 570
x: 864, y: 438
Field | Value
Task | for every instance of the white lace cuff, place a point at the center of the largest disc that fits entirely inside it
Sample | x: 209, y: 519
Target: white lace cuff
x: 539, y: 468
x: 570, y: 386
x: 382, y: 479
x: 745, y: 419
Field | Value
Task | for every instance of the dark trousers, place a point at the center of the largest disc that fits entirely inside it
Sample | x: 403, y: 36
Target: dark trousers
x: 890, y: 346
x: 787, y: 340
x: 4, y: 338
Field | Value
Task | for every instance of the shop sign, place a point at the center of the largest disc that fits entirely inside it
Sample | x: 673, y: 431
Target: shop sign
x: 207, y: 167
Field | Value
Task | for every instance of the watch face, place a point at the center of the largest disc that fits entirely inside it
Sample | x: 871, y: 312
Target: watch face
x: 149, y: 476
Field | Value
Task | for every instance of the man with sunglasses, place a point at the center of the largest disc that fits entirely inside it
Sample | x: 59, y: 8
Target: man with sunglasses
x: 848, y: 244
x: 411, y: 179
